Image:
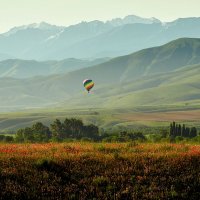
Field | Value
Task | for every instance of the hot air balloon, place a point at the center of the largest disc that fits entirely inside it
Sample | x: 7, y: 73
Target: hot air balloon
x: 88, y: 84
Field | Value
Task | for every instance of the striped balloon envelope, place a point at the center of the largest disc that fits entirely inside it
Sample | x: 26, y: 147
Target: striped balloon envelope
x: 88, y: 84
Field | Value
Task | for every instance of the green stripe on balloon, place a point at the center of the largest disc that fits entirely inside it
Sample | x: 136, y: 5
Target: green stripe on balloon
x: 88, y: 84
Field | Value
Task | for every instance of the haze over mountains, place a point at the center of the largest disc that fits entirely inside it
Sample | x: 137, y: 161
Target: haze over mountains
x: 29, y: 68
x: 165, y: 75
x: 93, y: 39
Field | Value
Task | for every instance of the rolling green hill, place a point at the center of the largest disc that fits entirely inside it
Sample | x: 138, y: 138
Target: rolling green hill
x: 161, y: 82
x: 166, y: 58
x: 161, y: 76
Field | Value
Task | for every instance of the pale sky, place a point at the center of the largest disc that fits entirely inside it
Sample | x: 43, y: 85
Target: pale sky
x: 67, y: 12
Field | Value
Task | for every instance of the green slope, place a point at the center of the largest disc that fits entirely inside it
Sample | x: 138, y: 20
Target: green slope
x: 166, y: 58
x: 162, y: 76
x: 164, y: 89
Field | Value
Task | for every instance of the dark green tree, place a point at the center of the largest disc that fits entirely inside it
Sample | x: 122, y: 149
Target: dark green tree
x: 193, y: 132
x: 78, y: 128
x: 57, y: 130
x: 28, y: 135
x: 41, y: 132
x: 183, y: 133
x: 73, y: 128
x: 179, y: 130
x: 8, y: 139
x: 2, y: 137
x: 19, y: 137
x: 164, y: 133
x: 171, y: 131
x: 67, y: 128
x: 91, y: 131
x: 187, y: 132
x: 172, y: 134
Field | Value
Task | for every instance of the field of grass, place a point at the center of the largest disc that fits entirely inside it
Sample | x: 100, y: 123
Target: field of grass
x: 99, y: 171
x: 107, y: 119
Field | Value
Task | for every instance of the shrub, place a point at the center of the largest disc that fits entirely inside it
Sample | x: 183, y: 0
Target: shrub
x: 8, y: 139
x: 179, y: 139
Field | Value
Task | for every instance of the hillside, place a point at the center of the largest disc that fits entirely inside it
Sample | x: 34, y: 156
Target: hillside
x: 29, y: 68
x: 162, y: 76
x: 152, y: 61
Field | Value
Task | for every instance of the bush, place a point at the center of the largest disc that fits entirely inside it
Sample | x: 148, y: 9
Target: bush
x: 179, y: 139
x: 8, y: 139
x: 196, y: 139
x: 107, y: 139
x: 2, y: 137
x: 155, y: 137
x: 86, y: 139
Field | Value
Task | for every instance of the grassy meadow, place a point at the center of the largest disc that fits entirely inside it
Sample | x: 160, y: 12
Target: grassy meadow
x: 127, y: 98
x: 99, y: 171
x: 111, y: 119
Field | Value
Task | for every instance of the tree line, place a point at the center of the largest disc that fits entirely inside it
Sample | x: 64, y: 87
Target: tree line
x: 178, y: 130
x: 58, y: 131
x: 75, y: 129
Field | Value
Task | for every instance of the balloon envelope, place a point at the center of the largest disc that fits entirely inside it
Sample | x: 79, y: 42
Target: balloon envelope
x: 88, y: 84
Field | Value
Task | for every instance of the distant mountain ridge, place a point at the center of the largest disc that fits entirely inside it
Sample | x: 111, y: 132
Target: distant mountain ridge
x: 93, y: 39
x: 40, y: 26
x: 165, y: 75
x: 132, y: 19
x: 16, y: 68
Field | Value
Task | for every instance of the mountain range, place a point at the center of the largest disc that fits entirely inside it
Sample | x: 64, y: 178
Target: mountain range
x: 164, y: 76
x: 91, y: 40
x: 29, y: 68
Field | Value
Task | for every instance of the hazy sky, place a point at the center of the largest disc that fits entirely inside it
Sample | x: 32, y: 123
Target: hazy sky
x: 66, y: 12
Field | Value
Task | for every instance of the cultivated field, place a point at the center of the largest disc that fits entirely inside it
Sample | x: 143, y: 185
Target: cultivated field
x: 99, y: 171
x: 190, y: 115
x: 107, y: 119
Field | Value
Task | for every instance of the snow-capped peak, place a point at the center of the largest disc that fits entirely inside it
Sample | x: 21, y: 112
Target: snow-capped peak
x: 132, y: 19
x: 40, y: 26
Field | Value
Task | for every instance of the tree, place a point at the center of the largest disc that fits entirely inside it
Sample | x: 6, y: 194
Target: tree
x: 164, y: 133
x: 41, y: 132
x: 78, y: 128
x: 172, y: 134
x: 193, y: 132
x: 187, y: 132
x: 179, y: 130
x: 8, y: 139
x: 57, y: 130
x: 19, y: 137
x: 70, y: 128
x: 139, y: 136
x: 28, y: 135
x: 173, y: 129
x: 176, y: 130
x: 91, y: 131
x: 2, y: 137
x: 183, y: 134
x: 73, y: 128
x: 67, y: 128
